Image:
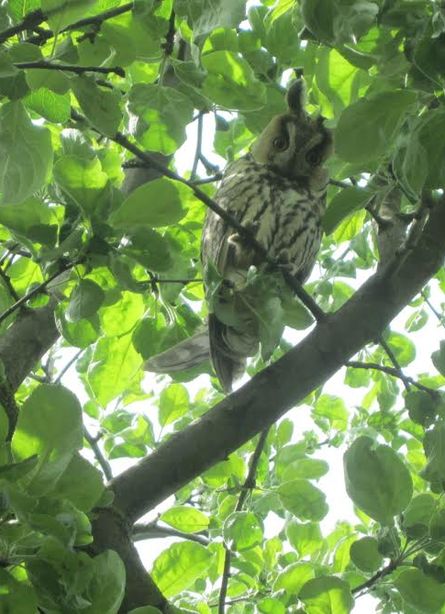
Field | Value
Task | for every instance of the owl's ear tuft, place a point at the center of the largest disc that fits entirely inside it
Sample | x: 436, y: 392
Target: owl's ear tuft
x: 296, y: 97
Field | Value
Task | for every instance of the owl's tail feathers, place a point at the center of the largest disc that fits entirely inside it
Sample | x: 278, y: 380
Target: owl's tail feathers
x: 228, y: 351
x: 184, y: 355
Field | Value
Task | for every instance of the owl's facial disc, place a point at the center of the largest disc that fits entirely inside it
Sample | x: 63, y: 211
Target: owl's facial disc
x: 294, y: 147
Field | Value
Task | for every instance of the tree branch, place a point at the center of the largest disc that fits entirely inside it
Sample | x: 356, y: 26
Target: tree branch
x: 37, y: 290
x: 276, y: 389
x: 291, y: 280
x: 80, y: 70
x: 248, y: 485
x: 152, y: 530
x: 356, y: 364
x: 105, y: 465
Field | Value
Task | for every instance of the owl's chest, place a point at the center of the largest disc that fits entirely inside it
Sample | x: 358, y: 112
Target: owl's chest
x: 273, y: 208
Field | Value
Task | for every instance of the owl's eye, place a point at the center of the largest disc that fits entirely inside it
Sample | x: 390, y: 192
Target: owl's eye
x: 313, y: 157
x: 280, y: 143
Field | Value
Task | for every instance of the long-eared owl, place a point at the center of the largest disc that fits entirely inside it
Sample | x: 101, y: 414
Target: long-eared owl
x: 277, y: 191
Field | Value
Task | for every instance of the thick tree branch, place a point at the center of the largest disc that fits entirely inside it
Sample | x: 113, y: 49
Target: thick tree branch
x: 271, y: 393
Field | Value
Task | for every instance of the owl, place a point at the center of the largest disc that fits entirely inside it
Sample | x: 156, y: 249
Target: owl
x: 277, y: 191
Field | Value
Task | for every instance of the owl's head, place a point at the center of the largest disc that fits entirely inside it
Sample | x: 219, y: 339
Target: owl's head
x: 295, y: 144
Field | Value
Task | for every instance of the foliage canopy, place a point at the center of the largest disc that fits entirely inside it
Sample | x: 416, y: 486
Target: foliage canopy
x: 99, y: 271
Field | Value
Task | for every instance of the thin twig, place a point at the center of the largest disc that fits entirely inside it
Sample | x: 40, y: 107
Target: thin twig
x: 95, y: 20
x: 356, y: 364
x: 105, y: 465
x: 175, y: 281
x: 198, y: 148
x: 248, y: 485
x: 438, y: 315
x: 376, y: 577
x: 8, y: 284
x: 37, y: 290
x: 340, y: 184
x: 152, y: 530
x: 68, y: 366
x: 29, y: 22
x: 392, y: 357
x: 291, y: 280
x: 42, y: 64
x: 211, y: 179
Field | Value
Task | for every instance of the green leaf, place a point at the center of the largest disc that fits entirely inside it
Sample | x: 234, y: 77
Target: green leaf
x: 327, y: 595
x: 434, y: 444
x: 156, y: 203
x: 82, y: 179
x: 185, y: 518
x: 26, y: 154
x: 305, y: 538
x: 15, y: 471
x: 242, y: 531
x: 80, y: 483
x: 420, y: 591
x: 179, y: 566
x: 204, y: 16
x: 231, y: 83
x: 417, y: 516
x: 85, y: 300
x: 376, y: 119
x: 303, y: 500
x: 123, y: 315
x: 422, y: 406
x: 49, y: 425
x: 28, y: 219
x: 165, y: 113
x: 63, y: 12
x: 403, y: 348
x: 16, y: 596
x: 377, y: 480
x: 269, y: 605
x: 308, y: 468
x: 107, y: 588
x: 365, y: 554
x: 294, y: 577
x: 174, y: 403
x: 438, y: 358
x: 53, y: 107
x: 437, y: 525
x: 114, y: 368
x: 101, y: 107
x: 333, y: 409
x: 345, y: 202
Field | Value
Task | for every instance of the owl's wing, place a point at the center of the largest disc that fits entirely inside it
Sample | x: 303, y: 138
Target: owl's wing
x: 231, y: 257
x: 235, y: 194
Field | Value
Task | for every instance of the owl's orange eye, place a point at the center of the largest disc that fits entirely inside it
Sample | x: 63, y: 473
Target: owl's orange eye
x: 280, y: 143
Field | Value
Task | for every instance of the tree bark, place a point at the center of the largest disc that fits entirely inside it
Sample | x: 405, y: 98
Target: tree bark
x: 271, y: 393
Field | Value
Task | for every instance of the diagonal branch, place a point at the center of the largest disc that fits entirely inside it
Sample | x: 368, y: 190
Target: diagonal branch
x: 79, y: 70
x: 244, y: 232
x: 271, y: 393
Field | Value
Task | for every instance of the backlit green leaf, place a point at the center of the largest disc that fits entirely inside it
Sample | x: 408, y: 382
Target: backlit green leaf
x: 377, y: 480
x: 26, y: 154
x: 179, y: 566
